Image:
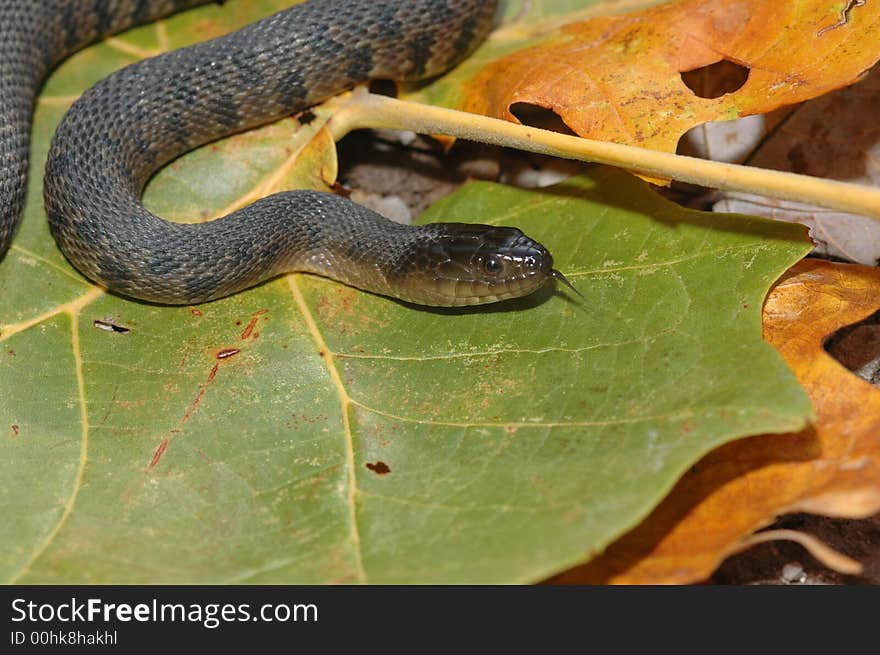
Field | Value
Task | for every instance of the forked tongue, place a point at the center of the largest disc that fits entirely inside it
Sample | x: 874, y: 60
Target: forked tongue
x: 559, y: 276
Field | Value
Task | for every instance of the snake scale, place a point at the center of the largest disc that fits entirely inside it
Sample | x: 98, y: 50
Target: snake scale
x: 129, y: 125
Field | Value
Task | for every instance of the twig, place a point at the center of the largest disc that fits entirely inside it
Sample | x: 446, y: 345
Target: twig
x: 366, y: 110
x: 821, y: 551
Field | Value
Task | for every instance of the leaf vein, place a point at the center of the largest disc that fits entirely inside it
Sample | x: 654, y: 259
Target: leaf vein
x: 83, y: 456
x: 345, y: 401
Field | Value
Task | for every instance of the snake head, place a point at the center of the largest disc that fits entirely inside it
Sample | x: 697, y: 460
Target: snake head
x: 470, y: 264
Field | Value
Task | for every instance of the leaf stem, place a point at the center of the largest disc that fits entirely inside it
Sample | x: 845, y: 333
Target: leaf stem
x: 367, y: 110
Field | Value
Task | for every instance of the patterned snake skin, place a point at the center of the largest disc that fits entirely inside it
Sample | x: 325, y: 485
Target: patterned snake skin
x: 122, y: 130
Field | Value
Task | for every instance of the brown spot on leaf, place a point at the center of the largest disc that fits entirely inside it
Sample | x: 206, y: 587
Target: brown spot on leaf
x: 226, y: 353
x: 196, y: 312
x: 15, y: 429
x: 379, y: 468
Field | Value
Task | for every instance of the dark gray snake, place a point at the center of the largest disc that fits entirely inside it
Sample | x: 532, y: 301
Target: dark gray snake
x: 129, y: 125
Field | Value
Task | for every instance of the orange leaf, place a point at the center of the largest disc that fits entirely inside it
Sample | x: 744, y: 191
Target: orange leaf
x: 832, y: 468
x: 619, y: 78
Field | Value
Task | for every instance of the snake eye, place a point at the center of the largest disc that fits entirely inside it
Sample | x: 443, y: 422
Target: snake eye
x: 493, y: 264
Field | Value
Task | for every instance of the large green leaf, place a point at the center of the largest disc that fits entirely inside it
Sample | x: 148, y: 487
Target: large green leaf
x: 307, y: 432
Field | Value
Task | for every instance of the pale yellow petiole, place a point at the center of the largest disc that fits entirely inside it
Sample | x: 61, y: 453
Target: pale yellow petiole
x: 367, y: 110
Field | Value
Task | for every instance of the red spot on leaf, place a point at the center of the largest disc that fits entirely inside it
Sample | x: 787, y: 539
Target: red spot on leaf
x: 194, y: 405
x: 249, y: 328
x: 221, y: 355
x: 196, y: 312
x: 158, y: 454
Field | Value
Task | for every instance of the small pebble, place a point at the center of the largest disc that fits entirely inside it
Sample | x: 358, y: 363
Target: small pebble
x: 793, y: 573
x: 403, y: 137
x: 481, y: 169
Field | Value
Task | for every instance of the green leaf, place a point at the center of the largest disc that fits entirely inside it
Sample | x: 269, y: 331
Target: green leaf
x: 307, y: 432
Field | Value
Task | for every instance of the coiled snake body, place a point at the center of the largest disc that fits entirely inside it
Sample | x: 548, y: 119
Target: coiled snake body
x: 129, y: 125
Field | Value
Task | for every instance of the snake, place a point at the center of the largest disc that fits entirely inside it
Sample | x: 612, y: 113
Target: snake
x: 125, y: 128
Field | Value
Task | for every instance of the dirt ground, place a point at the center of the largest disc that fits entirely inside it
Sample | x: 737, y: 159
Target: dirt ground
x: 400, y: 174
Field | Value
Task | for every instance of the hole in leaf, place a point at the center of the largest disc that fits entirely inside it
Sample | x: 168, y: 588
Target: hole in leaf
x: 540, y: 117
x: 857, y: 347
x: 108, y: 325
x: 716, y: 80
x: 728, y: 141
